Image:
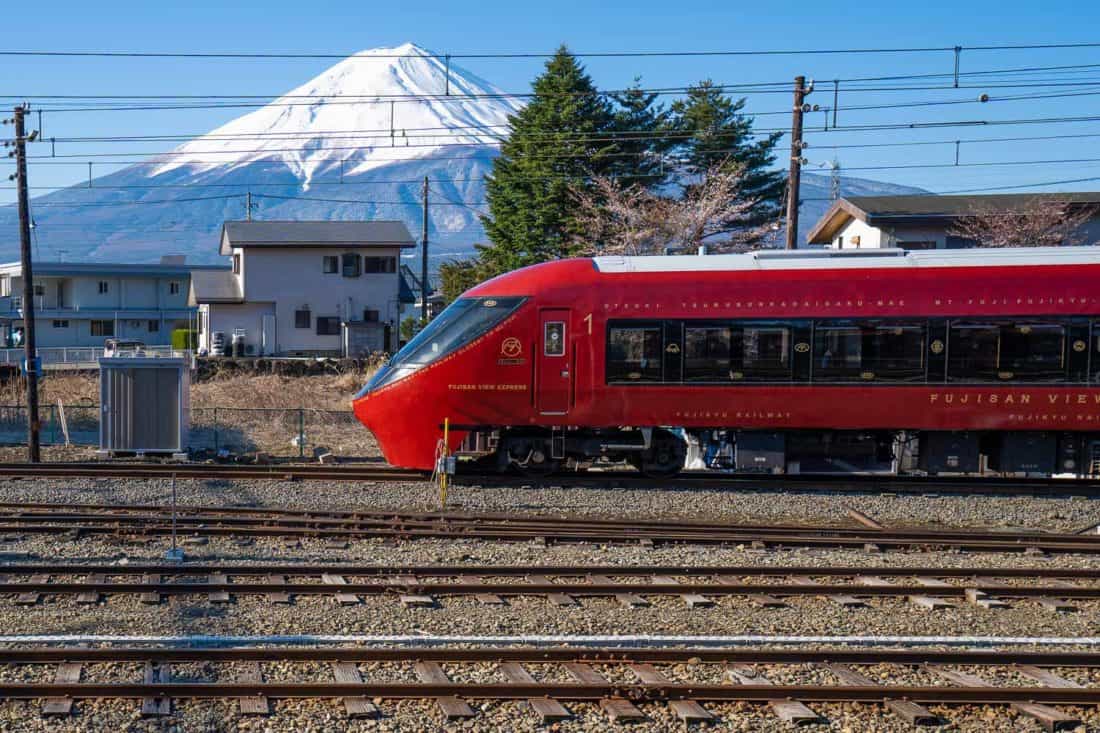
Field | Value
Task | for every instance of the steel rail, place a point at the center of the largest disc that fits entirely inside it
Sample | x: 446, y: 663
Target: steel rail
x: 320, y: 519
x: 808, y: 538
x: 292, y: 569
x: 611, y: 655
x: 640, y: 692
x: 860, y: 483
x: 589, y: 589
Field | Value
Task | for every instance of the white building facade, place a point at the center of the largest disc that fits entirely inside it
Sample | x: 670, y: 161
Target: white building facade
x: 83, y: 304
x: 927, y: 221
x: 304, y: 288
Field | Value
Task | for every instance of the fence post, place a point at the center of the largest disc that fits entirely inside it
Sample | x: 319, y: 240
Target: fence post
x: 301, y: 432
x: 215, y: 431
x: 53, y: 424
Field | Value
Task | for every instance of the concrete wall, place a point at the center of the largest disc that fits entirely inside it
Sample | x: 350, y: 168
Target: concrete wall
x: 227, y: 317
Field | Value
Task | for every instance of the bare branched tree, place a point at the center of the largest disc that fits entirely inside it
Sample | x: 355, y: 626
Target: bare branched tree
x: 1038, y: 222
x: 631, y: 220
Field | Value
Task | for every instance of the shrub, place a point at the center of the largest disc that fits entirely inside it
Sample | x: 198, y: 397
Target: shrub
x: 184, y: 338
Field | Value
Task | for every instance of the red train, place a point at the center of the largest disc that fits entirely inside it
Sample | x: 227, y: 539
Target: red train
x: 957, y: 361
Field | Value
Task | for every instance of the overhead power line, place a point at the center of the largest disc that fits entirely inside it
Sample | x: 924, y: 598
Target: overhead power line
x: 542, y: 54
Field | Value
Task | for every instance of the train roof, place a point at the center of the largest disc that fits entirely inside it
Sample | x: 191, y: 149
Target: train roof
x: 845, y: 259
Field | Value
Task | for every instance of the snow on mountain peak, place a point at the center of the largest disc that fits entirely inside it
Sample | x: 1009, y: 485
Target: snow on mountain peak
x: 374, y: 108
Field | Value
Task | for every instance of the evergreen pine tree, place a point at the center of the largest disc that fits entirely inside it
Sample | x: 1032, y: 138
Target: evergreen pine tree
x: 717, y: 131
x: 560, y: 138
x: 643, y: 142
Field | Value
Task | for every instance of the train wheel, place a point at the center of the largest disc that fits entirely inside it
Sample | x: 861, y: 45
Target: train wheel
x: 532, y: 458
x: 665, y: 456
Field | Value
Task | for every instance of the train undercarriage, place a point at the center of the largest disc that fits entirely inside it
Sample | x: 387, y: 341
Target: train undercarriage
x: 666, y: 451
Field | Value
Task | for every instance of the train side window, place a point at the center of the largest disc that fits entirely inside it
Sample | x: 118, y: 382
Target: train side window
x: 707, y: 353
x: 553, y: 338
x: 634, y: 354
x: 763, y: 354
x: 894, y: 352
x: 838, y: 352
x: 972, y: 351
x: 1001, y: 352
x: 1033, y: 352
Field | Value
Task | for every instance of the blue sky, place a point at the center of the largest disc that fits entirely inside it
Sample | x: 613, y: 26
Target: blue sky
x: 608, y: 26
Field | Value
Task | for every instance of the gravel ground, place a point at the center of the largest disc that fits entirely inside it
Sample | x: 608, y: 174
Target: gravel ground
x: 464, y: 615
x: 765, y: 505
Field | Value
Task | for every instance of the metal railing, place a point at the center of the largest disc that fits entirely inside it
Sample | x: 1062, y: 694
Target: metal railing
x: 278, y: 432
x: 83, y: 356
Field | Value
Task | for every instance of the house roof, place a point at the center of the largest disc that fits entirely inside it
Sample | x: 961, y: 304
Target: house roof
x: 214, y: 286
x: 382, y: 233
x: 926, y: 208
x: 129, y: 269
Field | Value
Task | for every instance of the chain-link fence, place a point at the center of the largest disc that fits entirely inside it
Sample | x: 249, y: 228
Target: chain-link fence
x: 281, y: 432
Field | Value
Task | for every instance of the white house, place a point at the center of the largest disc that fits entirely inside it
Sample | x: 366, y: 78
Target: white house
x: 925, y: 221
x: 305, y: 287
x: 82, y: 304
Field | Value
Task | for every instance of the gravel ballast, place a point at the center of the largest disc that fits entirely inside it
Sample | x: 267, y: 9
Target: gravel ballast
x: 252, y: 615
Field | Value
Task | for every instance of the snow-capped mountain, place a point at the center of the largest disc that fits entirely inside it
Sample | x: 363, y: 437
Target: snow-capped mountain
x: 355, y: 142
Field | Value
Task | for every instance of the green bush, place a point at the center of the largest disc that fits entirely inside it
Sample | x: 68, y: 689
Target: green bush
x: 184, y: 338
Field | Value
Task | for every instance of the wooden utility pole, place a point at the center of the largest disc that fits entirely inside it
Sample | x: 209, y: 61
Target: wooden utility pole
x: 424, y: 289
x: 248, y: 205
x: 795, y: 176
x: 29, y: 352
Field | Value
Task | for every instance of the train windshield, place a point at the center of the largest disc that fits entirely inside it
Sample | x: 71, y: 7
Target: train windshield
x: 460, y: 323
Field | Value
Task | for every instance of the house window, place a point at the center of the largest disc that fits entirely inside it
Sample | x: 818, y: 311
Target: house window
x: 236, y: 263
x: 370, y: 316
x: 103, y: 328
x: 840, y: 242
x: 39, y: 289
x: 302, y: 318
x: 174, y: 288
x: 330, y: 264
x: 351, y: 264
x: 104, y: 287
x: 328, y: 326
x: 60, y: 324
x: 153, y: 325
x: 379, y: 264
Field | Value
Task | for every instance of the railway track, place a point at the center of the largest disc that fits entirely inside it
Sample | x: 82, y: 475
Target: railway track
x: 692, y: 682
x: 145, y: 521
x: 373, y: 472
x: 1053, y: 588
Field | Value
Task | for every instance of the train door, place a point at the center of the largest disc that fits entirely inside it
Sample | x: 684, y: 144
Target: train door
x: 554, y: 378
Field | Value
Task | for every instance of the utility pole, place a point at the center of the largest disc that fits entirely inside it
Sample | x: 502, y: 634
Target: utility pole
x: 795, y: 176
x: 424, y: 290
x: 29, y: 352
x: 248, y: 205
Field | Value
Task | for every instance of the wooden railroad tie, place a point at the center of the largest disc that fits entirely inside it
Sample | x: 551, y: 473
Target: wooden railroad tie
x: 91, y: 596
x: 628, y: 600
x: 688, y: 711
x: 344, y: 599
x: 156, y: 707
x: 558, y: 599
x: 844, y: 600
x: 910, y: 712
x: 277, y: 596
x: 356, y: 707
x: 489, y: 599
x: 693, y: 600
x: 413, y: 600
x: 218, y: 596
x: 451, y: 707
x: 546, y: 708
x: 253, y: 704
x: 789, y: 711
x: 1052, y: 719
x: 921, y: 601
x: 618, y: 709
x: 68, y: 673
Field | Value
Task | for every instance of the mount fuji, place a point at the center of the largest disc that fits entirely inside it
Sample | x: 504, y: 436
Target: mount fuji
x: 353, y: 143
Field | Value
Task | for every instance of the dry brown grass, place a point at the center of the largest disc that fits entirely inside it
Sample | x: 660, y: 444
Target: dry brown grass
x: 240, y: 391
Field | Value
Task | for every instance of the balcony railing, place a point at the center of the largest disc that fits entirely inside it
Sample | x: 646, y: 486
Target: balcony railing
x: 86, y: 357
